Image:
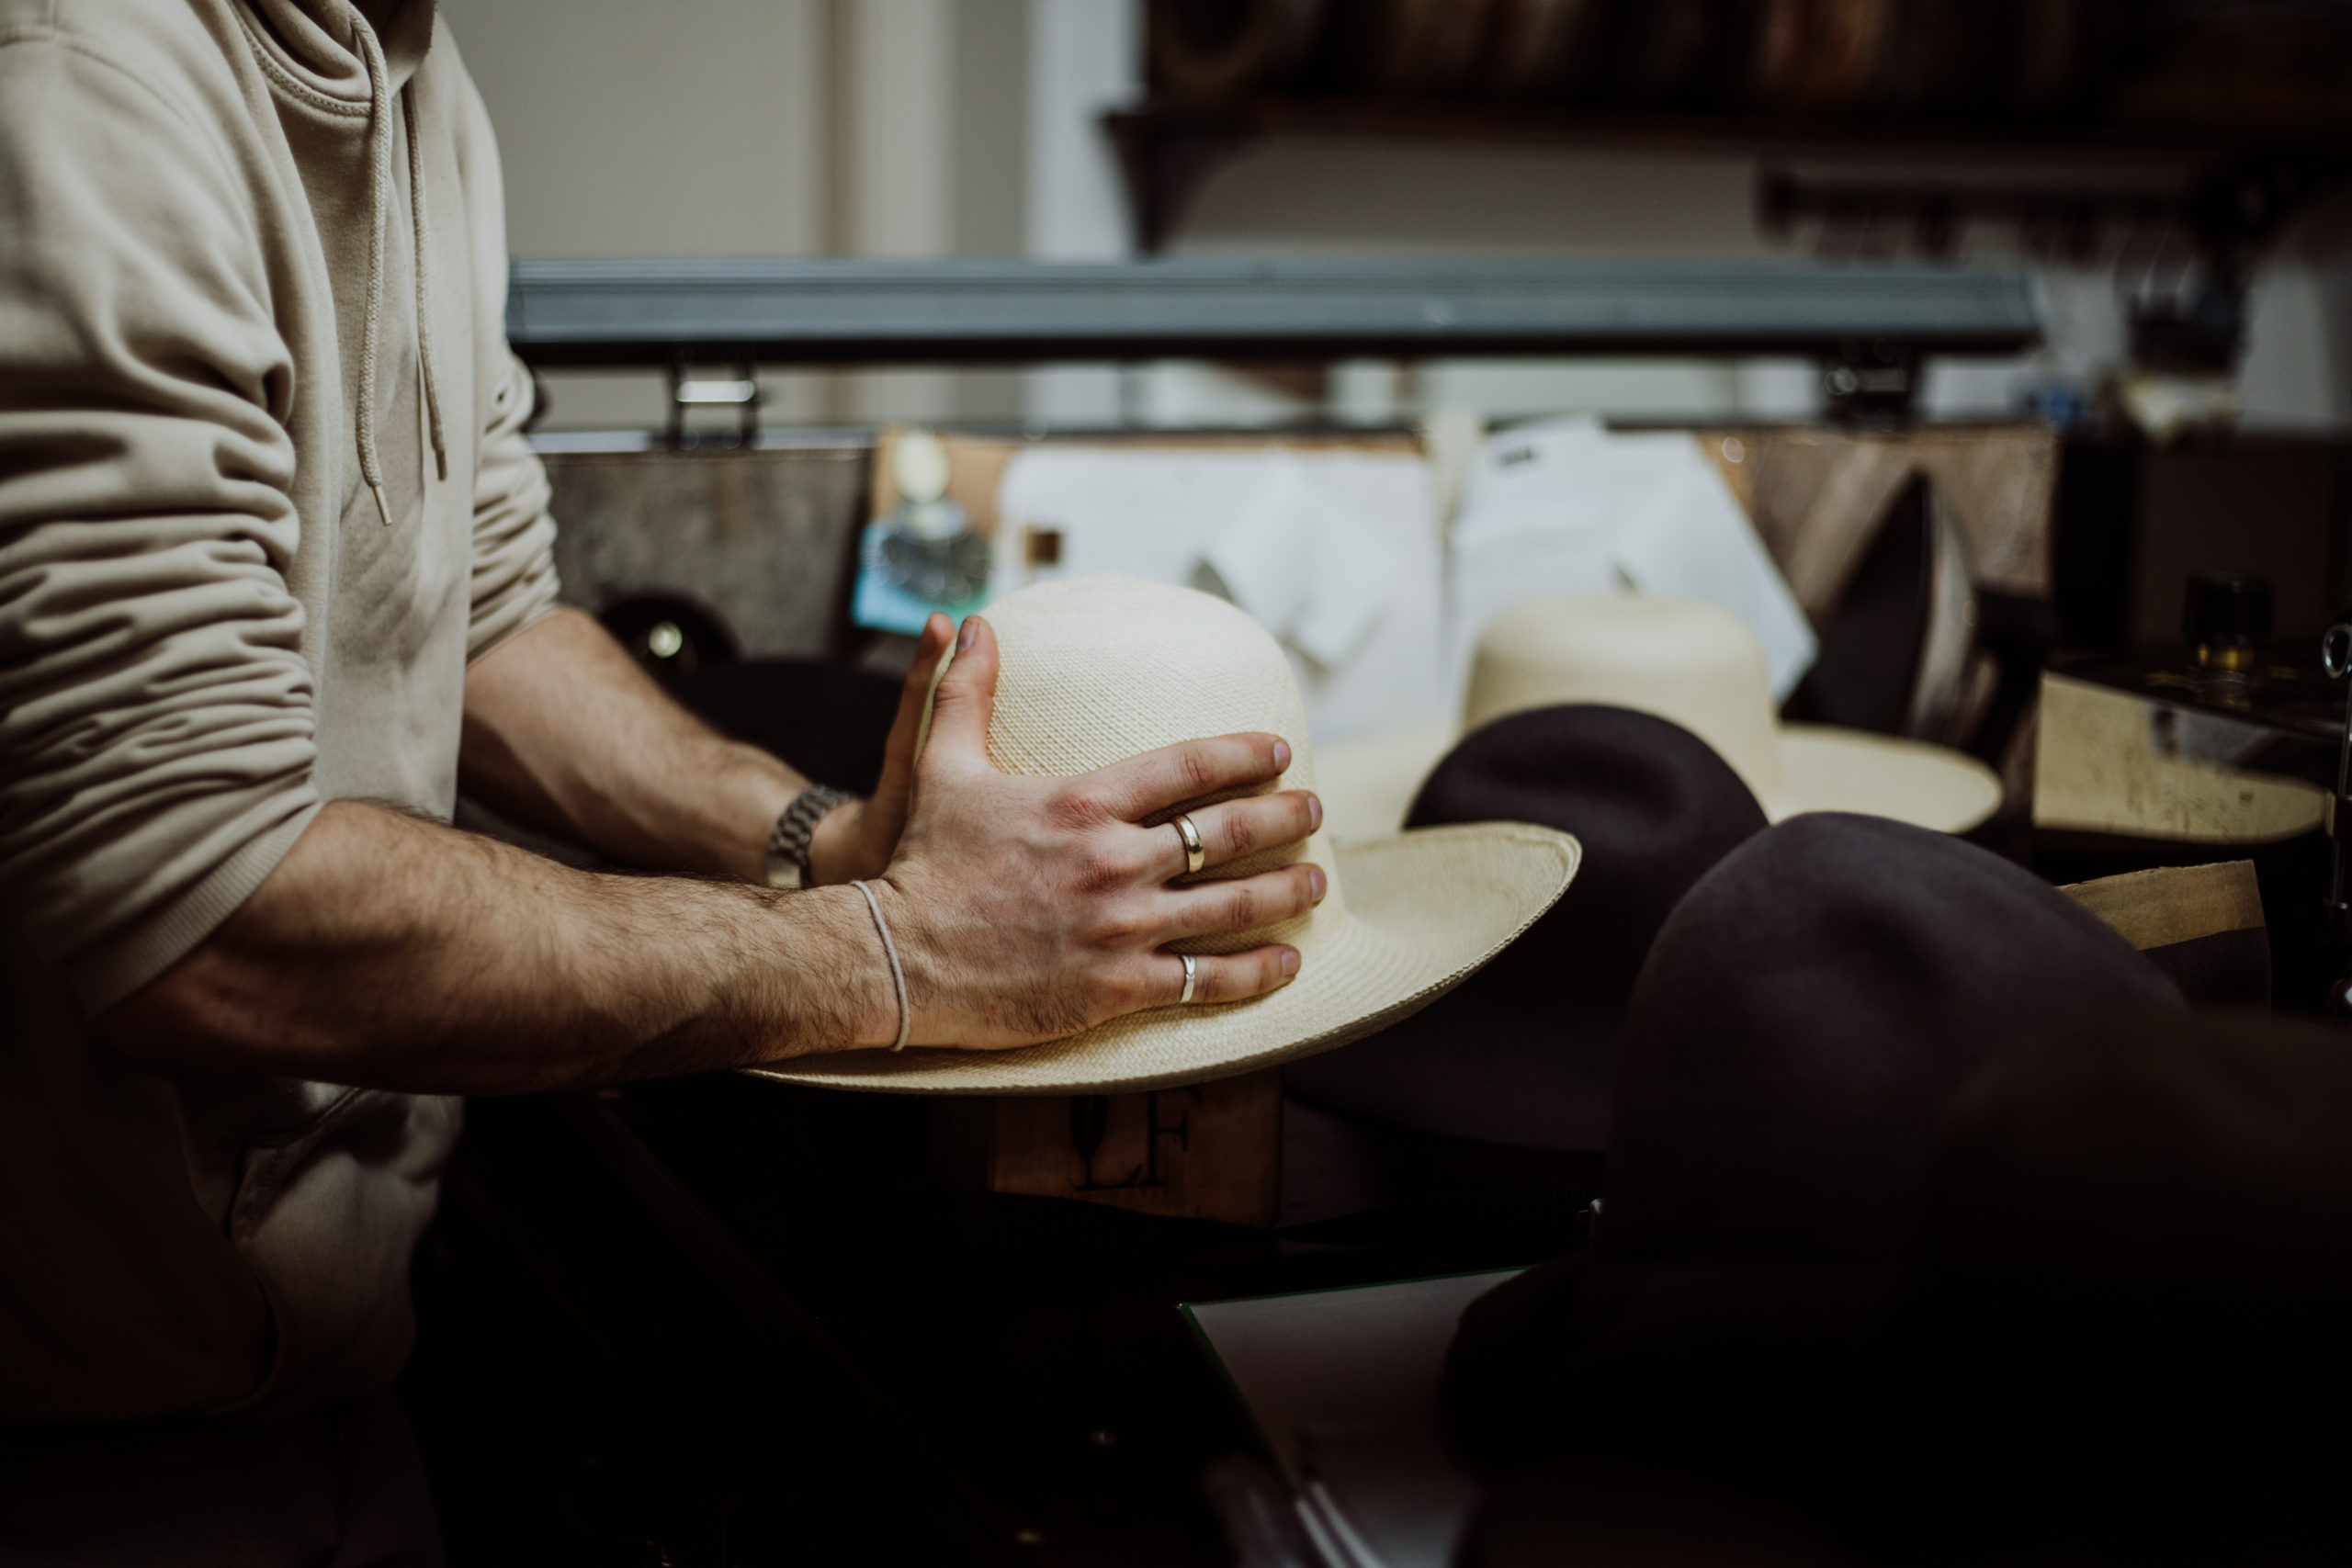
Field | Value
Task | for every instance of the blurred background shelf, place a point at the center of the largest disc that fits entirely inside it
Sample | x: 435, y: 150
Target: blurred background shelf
x: 2153, y: 171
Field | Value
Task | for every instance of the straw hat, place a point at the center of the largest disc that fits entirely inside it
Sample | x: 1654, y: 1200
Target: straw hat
x: 1692, y: 663
x: 1096, y: 668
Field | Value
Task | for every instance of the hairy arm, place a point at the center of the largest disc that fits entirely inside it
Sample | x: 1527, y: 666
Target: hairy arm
x: 564, y: 733
x: 399, y: 954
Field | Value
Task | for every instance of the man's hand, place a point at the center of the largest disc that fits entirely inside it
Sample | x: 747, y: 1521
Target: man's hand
x: 387, y: 951
x: 1029, y: 908
x: 857, y: 838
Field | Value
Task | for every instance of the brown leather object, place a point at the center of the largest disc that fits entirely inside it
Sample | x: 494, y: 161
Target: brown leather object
x: 2202, y: 925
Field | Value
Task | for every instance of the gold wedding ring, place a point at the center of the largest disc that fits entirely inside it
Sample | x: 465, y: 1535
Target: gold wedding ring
x: 1195, y: 853
x: 1192, y: 973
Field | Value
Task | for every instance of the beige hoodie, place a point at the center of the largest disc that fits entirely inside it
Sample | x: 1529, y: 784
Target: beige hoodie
x: 263, y: 492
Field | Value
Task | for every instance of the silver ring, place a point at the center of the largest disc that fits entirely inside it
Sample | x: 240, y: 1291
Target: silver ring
x: 1192, y: 973
x: 1195, y: 852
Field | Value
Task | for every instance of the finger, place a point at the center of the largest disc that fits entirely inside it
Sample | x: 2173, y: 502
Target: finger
x: 1216, y: 909
x: 914, y: 698
x: 1135, y: 788
x: 1236, y: 829
x: 1228, y: 977
x: 964, y: 698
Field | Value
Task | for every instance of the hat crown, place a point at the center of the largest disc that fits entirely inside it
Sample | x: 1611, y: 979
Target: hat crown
x: 1094, y: 670
x: 1808, y: 1011
x: 1692, y: 663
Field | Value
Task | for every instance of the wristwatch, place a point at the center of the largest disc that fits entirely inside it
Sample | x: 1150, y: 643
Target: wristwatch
x: 788, y: 844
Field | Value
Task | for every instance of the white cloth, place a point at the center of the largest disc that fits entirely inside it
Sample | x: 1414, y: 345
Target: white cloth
x: 1334, y: 553
x: 1570, y: 508
x: 1308, y: 569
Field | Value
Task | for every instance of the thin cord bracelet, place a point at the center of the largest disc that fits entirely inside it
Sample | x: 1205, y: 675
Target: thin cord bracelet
x: 898, y: 975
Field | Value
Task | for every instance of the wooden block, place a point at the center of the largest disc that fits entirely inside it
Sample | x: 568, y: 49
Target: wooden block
x: 1210, y: 1151
x: 2175, y: 903
x: 2109, y: 762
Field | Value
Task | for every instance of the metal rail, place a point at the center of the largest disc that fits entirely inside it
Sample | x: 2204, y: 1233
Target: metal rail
x: 666, y: 312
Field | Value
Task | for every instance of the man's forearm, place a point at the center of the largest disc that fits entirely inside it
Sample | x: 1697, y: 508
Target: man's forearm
x: 565, y: 734
x: 398, y: 954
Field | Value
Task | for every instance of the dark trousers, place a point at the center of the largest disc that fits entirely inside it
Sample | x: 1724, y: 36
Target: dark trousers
x: 342, y: 1488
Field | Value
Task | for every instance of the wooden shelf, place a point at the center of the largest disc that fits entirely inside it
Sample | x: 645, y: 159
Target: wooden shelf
x: 1167, y: 146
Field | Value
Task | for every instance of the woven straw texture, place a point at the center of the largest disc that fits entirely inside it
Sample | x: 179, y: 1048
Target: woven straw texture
x: 1097, y: 668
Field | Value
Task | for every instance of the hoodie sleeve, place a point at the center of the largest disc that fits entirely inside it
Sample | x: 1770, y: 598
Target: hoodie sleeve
x: 156, y: 737
x: 514, y: 566
x: 513, y: 580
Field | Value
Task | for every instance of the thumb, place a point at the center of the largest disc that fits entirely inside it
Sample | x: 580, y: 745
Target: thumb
x: 913, y: 718
x: 962, y: 699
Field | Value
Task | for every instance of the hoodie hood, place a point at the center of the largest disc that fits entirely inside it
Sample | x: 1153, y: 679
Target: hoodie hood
x: 318, y: 41
x: 331, y: 48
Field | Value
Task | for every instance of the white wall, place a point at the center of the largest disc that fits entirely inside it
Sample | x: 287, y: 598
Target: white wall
x: 759, y: 128
x: 695, y: 128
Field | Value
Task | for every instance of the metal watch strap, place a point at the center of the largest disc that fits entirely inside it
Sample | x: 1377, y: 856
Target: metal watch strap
x: 788, y: 845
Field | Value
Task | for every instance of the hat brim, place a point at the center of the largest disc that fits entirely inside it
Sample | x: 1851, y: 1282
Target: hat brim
x: 1367, y: 782
x: 1425, y: 910
x: 1935, y: 787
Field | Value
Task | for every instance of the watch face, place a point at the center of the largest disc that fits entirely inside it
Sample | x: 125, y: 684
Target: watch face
x: 784, y: 872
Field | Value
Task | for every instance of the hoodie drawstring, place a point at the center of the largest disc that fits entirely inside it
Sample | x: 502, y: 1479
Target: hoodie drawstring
x: 420, y: 237
x: 379, y: 158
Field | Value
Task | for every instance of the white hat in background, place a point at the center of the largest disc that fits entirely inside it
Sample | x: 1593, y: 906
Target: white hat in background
x: 1097, y: 668
x: 1694, y: 665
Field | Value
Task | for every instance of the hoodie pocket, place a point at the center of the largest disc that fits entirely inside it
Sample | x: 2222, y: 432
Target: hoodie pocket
x: 326, y: 1213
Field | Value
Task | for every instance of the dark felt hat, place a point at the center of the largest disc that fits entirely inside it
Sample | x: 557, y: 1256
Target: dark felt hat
x: 1591, y: 1511
x: 2139, y: 1235
x: 1805, y: 1015
x: 1525, y: 1052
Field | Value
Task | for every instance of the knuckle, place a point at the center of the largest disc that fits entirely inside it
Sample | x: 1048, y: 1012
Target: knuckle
x: 1101, y: 872
x: 1240, y: 976
x: 1235, y: 835
x: 1241, y: 908
x: 1077, y: 808
x: 1258, y: 975
x: 1220, y: 981
x: 1121, y: 925
x: 1113, y: 992
x: 1196, y: 766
